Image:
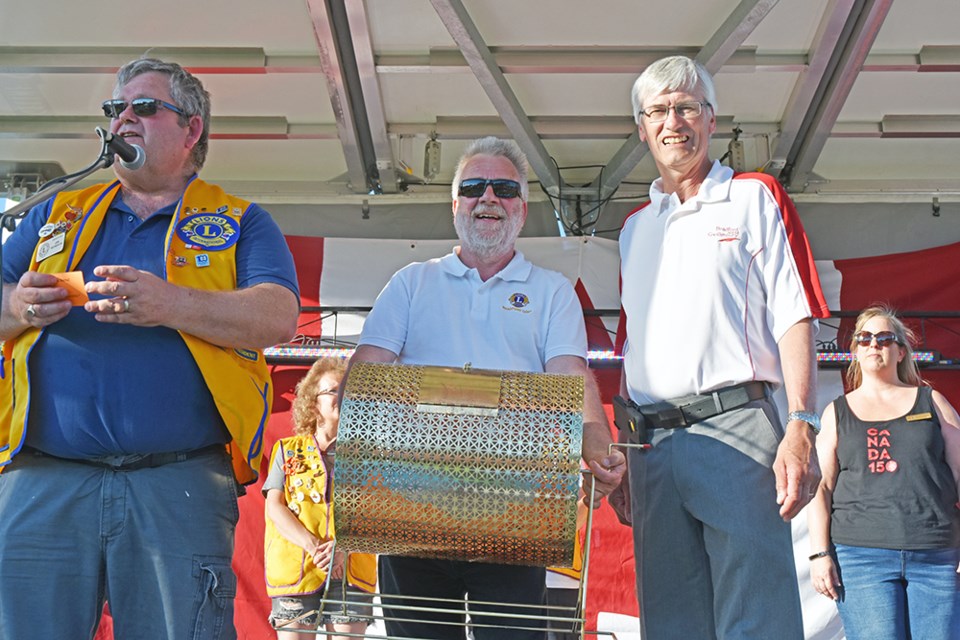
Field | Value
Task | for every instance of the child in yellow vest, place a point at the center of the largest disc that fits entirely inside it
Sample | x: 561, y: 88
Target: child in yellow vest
x: 299, y: 537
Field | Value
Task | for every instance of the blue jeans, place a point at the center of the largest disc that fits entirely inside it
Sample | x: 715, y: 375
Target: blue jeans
x: 890, y: 594
x: 157, y: 543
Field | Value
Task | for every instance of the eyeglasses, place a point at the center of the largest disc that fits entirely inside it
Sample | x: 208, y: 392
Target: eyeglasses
x: 476, y: 187
x: 142, y: 107
x: 686, y: 110
x: 884, y: 338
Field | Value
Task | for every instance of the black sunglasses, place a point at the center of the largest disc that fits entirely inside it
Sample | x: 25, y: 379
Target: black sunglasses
x: 142, y: 107
x: 884, y: 338
x: 476, y: 187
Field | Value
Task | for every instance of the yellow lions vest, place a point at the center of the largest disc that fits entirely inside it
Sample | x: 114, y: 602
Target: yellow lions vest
x: 207, y: 223
x: 290, y: 570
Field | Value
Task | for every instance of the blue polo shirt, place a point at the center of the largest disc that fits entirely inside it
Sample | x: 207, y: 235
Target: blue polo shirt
x: 100, y: 389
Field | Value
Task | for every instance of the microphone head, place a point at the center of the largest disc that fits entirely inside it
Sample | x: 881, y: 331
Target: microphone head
x: 137, y: 161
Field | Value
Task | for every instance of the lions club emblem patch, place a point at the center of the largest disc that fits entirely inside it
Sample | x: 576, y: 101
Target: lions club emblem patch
x: 209, y: 230
x: 519, y: 300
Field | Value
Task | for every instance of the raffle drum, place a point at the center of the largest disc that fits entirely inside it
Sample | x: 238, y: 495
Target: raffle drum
x: 459, y: 464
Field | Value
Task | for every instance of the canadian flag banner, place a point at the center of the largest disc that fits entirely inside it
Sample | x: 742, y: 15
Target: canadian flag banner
x: 336, y: 272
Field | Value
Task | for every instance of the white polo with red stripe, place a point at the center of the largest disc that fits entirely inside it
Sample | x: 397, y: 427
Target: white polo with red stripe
x: 709, y: 286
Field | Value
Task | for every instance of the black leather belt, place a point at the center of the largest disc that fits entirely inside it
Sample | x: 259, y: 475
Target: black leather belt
x: 148, y: 461
x: 682, y: 412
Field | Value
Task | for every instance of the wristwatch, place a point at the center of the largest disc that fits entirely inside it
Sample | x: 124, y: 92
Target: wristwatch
x: 810, y: 418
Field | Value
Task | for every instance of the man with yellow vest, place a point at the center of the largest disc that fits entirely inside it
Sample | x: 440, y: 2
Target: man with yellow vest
x: 117, y: 414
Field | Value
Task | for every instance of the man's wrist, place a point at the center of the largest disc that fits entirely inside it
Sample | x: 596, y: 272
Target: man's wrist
x: 809, y: 417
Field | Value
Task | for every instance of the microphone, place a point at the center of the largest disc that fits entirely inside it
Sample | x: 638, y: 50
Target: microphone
x: 132, y: 156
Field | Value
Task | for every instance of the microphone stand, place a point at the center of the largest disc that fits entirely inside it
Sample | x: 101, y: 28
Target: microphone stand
x: 52, y: 188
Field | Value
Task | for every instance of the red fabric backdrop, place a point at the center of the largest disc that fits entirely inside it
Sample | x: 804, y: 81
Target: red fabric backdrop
x: 915, y: 281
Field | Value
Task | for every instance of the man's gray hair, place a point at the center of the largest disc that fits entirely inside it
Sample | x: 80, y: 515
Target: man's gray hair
x: 186, y: 91
x: 675, y: 73
x: 492, y: 146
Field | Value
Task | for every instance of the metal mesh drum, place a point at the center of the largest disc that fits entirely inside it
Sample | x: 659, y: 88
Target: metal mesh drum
x: 459, y: 464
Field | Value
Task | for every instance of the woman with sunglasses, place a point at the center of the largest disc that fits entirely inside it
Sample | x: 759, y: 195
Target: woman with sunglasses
x: 304, y: 570
x: 885, y: 524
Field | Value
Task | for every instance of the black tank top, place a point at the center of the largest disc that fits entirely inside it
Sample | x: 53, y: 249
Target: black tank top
x: 894, y: 489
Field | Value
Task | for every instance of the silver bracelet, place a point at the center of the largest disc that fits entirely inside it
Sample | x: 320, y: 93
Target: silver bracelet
x: 811, y: 419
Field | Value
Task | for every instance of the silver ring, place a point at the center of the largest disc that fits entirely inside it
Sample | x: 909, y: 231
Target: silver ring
x: 126, y: 306
x: 31, y: 311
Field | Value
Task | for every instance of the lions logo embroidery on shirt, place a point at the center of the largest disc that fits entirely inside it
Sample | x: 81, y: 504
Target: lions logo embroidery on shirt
x: 519, y: 300
x: 210, y: 231
x: 517, y: 303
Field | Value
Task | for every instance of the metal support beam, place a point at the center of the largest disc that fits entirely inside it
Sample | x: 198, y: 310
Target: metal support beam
x: 825, y: 43
x: 734, y: 31
x: 720, y: 48
x: 221, y: 128
x: 625, y: 160
x: 356, y: 13
x: 331, y: 52
x: 510, y: 60
x: 464, y: 32
x: 573, y: 59
x: 848, y: 56
x: 107, y: 60
x: 346, y: 56
x: 904, y: 126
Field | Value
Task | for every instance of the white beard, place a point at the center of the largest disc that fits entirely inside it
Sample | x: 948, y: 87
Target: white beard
x: 496, y: 241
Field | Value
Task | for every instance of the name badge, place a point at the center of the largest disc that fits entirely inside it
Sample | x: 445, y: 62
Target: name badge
x: 50, y: 247
x: 920, y: 416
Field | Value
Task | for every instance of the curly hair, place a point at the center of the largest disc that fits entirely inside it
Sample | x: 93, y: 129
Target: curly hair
x: 305, y: 418
x: 907, y: 369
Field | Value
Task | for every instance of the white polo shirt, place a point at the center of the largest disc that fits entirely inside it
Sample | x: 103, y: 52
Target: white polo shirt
x: 710, y: 286
x: 441, y: 313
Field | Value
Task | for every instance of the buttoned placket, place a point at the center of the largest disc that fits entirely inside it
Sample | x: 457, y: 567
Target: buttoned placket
x: 479, y: 301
